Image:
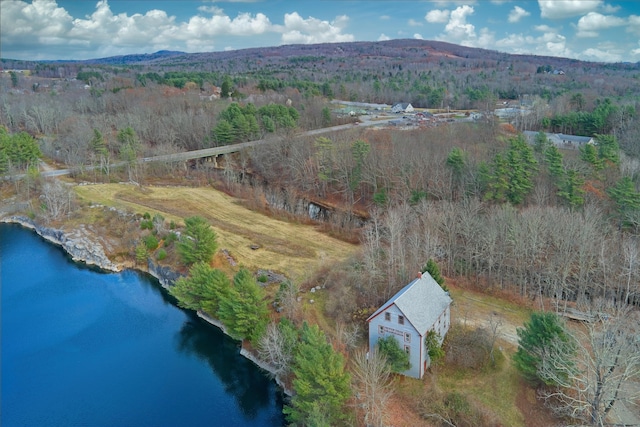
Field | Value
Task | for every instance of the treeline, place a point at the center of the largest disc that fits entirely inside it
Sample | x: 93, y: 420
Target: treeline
x: 179, y: 79
x: 602, y: 120
x: 497, y: 210
x: 245, y: 123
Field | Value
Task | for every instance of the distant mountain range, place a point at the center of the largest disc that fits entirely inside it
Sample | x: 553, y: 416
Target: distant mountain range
x: 409, y: 50
x: 136, y: 58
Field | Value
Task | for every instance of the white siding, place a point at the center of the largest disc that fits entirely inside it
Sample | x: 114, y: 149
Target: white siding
x: 405, y: 334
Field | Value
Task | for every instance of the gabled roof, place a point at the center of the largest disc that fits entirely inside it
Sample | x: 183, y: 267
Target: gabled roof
x: 561, y: 136
x: 575, y: 138
x: 421, y: 302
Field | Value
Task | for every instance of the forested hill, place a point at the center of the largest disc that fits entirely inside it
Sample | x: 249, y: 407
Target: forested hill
x: 395, y: 52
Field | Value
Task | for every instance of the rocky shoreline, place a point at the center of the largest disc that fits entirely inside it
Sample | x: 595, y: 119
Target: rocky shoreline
x: 82, y: 248
x: 77, y: 244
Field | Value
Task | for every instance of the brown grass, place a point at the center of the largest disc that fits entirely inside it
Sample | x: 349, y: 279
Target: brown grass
x: 292, y: 249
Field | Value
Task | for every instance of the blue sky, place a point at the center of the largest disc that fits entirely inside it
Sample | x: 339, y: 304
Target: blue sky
x: 595, y: 30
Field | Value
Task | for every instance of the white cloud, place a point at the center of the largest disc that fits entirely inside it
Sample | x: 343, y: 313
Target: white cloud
x: 560, y: 9
x: 383, y: 37
x: 25, y: 27
x: 458, y: 29
x: 601, y: 55
x: 214, y: 10
x: 20, y: 21
x: 437, y: 16
x: 634, y: 24
x: 385, y: 17
x: 312, y: 30
x: 543, y: 28
x: 244, y: 24
x: 517, y: 13
x: 550, y: 43
x: 418, y: 36
x: 413, y: 23
x: 592, y: 22
x: 445, y: 3
x: 607, y: 8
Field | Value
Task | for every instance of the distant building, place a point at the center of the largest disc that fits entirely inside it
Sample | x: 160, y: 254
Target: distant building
x: 561, y: 140
x: 402, y: 107
x: 408, y: 316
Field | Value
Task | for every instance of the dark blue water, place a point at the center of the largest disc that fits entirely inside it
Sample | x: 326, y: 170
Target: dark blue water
x: 84, y: 348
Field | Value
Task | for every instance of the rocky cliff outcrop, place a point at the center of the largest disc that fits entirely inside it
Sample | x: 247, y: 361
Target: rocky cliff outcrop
x: 79, y: 244
x: 165, y: 275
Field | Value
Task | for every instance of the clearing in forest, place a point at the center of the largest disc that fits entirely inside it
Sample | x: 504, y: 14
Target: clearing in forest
x: 296, y: 250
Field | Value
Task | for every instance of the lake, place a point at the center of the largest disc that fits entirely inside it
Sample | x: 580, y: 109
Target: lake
x: 85, y: 348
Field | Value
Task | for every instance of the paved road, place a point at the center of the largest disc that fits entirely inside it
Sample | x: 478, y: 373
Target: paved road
x: 216, y: 151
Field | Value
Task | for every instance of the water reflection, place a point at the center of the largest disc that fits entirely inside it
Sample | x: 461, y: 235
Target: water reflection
x: 252, y: 390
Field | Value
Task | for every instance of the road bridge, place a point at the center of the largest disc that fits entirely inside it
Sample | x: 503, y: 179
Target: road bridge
x: 211, y: 152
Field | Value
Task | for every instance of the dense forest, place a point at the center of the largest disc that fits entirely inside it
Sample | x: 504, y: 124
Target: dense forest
x: 556, y: 226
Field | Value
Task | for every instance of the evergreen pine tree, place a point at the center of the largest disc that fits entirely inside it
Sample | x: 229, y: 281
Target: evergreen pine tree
x: 432, y: 268
x: 198, y: 242
x: 589, y: 154
x: 202, y: 289
x: 570, y: 188
x: 553, y: 157
x: 223, y: 133
x: 320, y: 379
x: 244, y: 311
x: 627, y: 201
x: 542, y: 334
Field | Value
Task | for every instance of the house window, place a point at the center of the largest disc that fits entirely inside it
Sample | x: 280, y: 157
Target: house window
x: 381, y: 330
x: 387, y: 317
x: 401, y: 320
x: 407, y: 337
x: 407, y: 349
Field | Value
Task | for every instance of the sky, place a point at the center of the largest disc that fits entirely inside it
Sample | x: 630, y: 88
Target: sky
x: 594, y: 30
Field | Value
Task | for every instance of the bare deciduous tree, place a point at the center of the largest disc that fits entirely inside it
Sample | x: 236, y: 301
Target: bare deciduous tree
x: 603, y: 373
x: 273, y: 349
x: 371, y: 386
x: 57, y: 199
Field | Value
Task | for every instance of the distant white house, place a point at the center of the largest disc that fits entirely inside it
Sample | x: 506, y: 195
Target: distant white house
x: 408, y: 316
x: 560, y: 140
x: 402, y: 107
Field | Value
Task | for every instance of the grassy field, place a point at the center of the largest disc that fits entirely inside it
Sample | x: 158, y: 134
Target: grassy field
x: 293, y: 249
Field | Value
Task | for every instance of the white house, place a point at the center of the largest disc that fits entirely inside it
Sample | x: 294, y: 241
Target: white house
x: 402, y: 107
x: 408, y: 316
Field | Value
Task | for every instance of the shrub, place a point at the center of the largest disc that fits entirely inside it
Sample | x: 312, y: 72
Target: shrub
x: 151, y: 242
x: 146, y: 215
x: 455, y: 408
x: 169, y: 239
x: 468, y: 348
x: 146, y: 224
x: 380, y: 198
x: 262, y: 278
x: 397, y: 358
x: 141, y: 253
x: 162, y: 254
